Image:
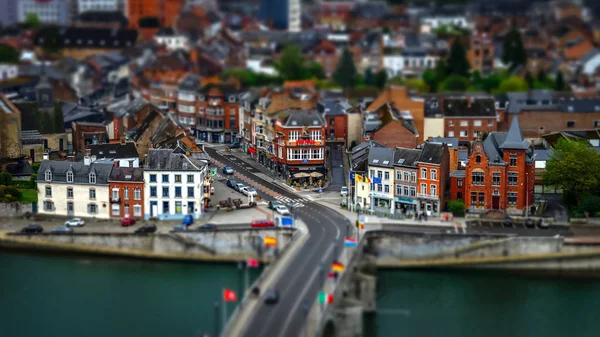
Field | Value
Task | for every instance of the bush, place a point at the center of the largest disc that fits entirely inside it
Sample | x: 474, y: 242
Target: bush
x: 35, y: 167
x: 591, y: 204
x: 352, y: 145
x: 9, y: 194
x: 33, y: 181
x: 5, y: 179
x: 456, y: 207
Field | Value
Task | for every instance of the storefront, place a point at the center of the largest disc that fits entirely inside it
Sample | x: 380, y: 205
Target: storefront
x: 290, y: 170
x: 381, y: 203
x: 405, y: 206
x: 431, y: 207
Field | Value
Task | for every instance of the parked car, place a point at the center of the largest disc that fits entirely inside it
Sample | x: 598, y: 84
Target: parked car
x: 235, y: 146
x: 212, y: 190
x: 126, y: 222
x: 282, y: 210
x: 188, y: 220
x: 61, y: 230
x: 149, y: 228
x: 271, y: 296
x: 262, y: 223
x: 508, y: 222
x: 33, y: 228
x: 208, y: 227
x: 231, y: 183
x: 227, y: 170
x: 238, y: 187
x: 344, y: 191
x: 273, y: 204
x: 248, y: 191
x: 530, y: 223
x: 179, y: 228
x: 75, y: 222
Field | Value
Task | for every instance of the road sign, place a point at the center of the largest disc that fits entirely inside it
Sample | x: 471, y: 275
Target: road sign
x: 287, y: 221
x: 304, y: 161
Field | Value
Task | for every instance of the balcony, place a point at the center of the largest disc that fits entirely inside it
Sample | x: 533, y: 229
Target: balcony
x: 427, y: 196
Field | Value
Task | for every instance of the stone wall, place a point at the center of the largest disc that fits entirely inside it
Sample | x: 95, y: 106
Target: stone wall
x: 8, y: 209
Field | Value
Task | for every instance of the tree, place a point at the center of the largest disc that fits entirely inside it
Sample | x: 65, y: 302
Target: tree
x: 8, y: 54
x: 590, y: 204
x: 541, y: 76
x: 51, y: 36
x: 345, y: 74
x: 530, y: 80
x: 454, y: 83
x: 430, y: 78
x: 32, y: 21
x: 559, y: 82
x: 574, y: 167
x: 492, y: 82
x: 512, y: 84
x: 292, y: 64
x: 381, y: 78
x: 5, y: 179
x: 457, y: 62
x: 456, y: 207
x: 316, y: 70
x: 369, y: 77
x: 416, y: 84
x: 513, y: 52
x: 59, y: 126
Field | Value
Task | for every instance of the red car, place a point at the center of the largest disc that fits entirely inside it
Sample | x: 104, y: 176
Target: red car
x: 127, y: 222
x: 262, y: 223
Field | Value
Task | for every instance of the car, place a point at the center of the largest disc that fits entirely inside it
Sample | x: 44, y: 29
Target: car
x: 75, y: 222
x: 248, y: 191
x: 231, y: 183
x: 529, y: 223
x: 262, y: 223
x: 126, y: 222
x: 273, y: 204
x: 179, y: 228
x: 61, y: 230
x: 33, y: 228
x: 282, y: 210
x: 543, y: 224
x: 227, y: 170
x: 271, y: 296
x: 148, y: 228
x: 212, y: 190
x: 208, y: 226
x: 507, y: 222
x: 238, y: 187
x: 235, y: 146
x: 344, y: 191
x: 188, y: 220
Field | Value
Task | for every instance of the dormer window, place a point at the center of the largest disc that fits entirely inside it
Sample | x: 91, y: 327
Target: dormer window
x: 48, y: 174
x: 92, y: 178
x: 69, y: 177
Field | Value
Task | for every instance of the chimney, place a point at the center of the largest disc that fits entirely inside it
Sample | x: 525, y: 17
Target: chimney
x: 46, y: 156
x: 86, y: 161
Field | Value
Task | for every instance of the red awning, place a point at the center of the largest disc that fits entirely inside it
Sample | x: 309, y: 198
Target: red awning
x: 251, y: 150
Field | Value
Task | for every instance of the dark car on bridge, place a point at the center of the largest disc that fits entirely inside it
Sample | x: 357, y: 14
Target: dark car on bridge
x: 208, y: 227
x: 507, y: 222
x: 33, y: 228
x: 271, y: 296
x: 231, y: 183
x: 149, y: 228
x: 273, y: 204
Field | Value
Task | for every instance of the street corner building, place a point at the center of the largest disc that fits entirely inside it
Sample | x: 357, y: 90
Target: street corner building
x: 74, y: 189
x: 174, y: 184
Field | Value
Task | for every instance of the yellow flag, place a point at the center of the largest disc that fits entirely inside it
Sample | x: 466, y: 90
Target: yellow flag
x: 358, y: 178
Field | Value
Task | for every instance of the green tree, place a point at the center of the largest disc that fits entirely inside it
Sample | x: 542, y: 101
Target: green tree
x: 513, y: 52
x: 381, y: 78
x: 51, y: 36
x: 430, y: 78
x: 345, y: 74
x: 8, y: 54
x: 291, y: 66
x: 316, y: 70
x: 512, y: 84
x: 416, y: 84
x: 33, y: 181
x: 58, y: 118
x: 492, y: 82
x: 369, y: 77
x: 31, y: 21
x: 530, y: 80
x: 454, y: 83
x: 591, y: 204
x: 457, y: 62
x: 541, y: 76
x: 456, y: 207
x: 5, y: 179
x: 574, y: 167
x: 559, y: 82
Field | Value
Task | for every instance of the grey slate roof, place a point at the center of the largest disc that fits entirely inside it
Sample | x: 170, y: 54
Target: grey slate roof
x: 298, y: 118
x: 381, y: 157
x: 514, y: 138
x: 406, y: 157
x: 463, y: 155
x: 580, y: 105
x: 114, y: 150
x: 81, y: 172
x: 452, y: 142
x: 360, y: 154
x: 171, y: 160
x: 458, y: 173
x: 538, y: 99
x: 333, y: 107
x: 20, y: 168
x: 589, y: 55
x: 432, y: 153
x: 127, y: 174
x: 542, y: 155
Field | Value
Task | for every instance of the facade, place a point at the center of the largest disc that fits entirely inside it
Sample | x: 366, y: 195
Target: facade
x: 405, y: 180
x: 8, y: 15
x: 49, y: 12
x: 171, y: 40
x: 166, y: 11
x: 381, y: 174
x: 499, y: 174
x: 335, y: 114
x: 74, y: 189
x: 126, y: 188
x: 468, y: 117
x: 174, y: 185
x: 481, y: 53
x: 390, y: 126
x: 432, y: 178
x: 359, y: 189
x: 99, y: 5
x: 218, y: 114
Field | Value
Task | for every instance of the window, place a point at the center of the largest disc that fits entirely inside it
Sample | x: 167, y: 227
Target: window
x: 464, y: 123
x: 116, y: 210
x: 464, y: 133
x: 450, y: 133
x: 92, y: 208
x: 178, y: 207
x: 512, y: 198
x: 48, y: 205
x: 165, y: 207
x: 153, y: 178
x: 137, y: 193
x: 178, y: 178
x: 115, y: 193
x: 433, y: 174
x: 571, y: 124
x: 69, y: 193
x: 48, y: 174
x: 513, y: 178
x: 473, y: 198
x: 477, y: 123
x: 405, y: 190
x: 477, y: 178
x: 386, y: 188
x: 165, y: 191
x: 459, y: 182
x: 596, y: 124
x: 315, y: 135
x: 126, y: 210
x: 190, y: 178
x: 371, y: 187
x: 398, y: 189
x: 386, y: 175
x: 137, y: 210
x: 450, y: 123
x: 92, y: 178
x: 372, y: 173
x: 190, y: 191
x: 459, y: 196
x: 92, y: 194
x: 423, y: 188
x: 153, y: 191
x: 478, y: 159
x: 48, y: 192
x: 69, y: 177
x: 398, y: 175
x: 413, y: 177
x: 126, y: 193
x: 165, y: 178
x: 481, y: 198
x: 490, y: 122
x: 432, y: 190
x: 496, y: 178
x: 293, y: 136
x: 513, y: 160
x: 379, y: 188
x: 178, y: 192
x: 423, y: 173
x: 379, y: 174
x: 413, y: 191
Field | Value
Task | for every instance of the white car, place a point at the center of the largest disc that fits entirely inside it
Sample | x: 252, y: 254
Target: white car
x: 212, y: 190
x: 344, y: 191
x: 248, y: 191
x: 75, y: 222
x: 282, y: 210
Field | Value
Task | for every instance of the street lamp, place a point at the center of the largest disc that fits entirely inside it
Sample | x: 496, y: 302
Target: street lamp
x: 527, y: 194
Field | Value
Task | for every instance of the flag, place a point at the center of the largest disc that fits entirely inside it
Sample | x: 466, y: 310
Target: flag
x: 367, y: 179
x: 252, y: 263
x: 337, y: 266
x: 358, y: 178
x: 360, y: 224
x: 229, y: 295
x: 376, y: 180
x: 270, y: 241
x: 350, y: 242
x: 325, y: 298
x: 333, y: 274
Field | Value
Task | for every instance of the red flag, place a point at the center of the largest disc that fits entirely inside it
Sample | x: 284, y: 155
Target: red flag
x: 252, y: 263
x: 229, y: 295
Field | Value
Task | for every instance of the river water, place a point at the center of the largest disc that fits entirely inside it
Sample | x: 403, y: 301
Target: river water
x: 100, y: 297
x: 490, y: 304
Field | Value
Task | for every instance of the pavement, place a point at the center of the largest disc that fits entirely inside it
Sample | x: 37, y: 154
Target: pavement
x: 336, y: 155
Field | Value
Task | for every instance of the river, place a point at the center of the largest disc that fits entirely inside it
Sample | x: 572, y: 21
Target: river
x: 54, y: 295
x: 491, y: 304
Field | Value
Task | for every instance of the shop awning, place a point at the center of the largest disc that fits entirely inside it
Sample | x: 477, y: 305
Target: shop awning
x: 301, y: 175
x: 252, y: 150
x: 316, y: 175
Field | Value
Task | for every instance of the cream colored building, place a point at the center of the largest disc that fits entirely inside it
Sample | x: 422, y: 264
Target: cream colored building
x: 433, y: 127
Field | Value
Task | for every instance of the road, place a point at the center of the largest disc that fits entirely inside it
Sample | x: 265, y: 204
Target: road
x: 336, y: 152
x: 301, y: 279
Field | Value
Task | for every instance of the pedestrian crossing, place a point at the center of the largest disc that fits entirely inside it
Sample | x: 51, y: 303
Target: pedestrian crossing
x: 299, y: 202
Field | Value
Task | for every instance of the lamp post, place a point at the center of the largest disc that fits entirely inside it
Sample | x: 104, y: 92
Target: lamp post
x: 527, y: 194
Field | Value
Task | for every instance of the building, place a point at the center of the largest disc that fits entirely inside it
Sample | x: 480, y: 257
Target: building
x: 10, y: 130
x: 101, y: 19
x: 174, y: 184
x: 8, y: 15
x: 381, y: 173
x: 391, y: 127
x: 335, y: 113
x: 32, y: 145
x: 126, y: 188
x: 166, y: 11
x: 74, y: 189
x: 359, y: 189
x: 276, y: 13
x: 481, y: 53
x: 124, y: 154
x: 171, y: 39
x: 406, y: 169
x: 432, y: 179
x: 468, y: 117
x: 49, y: 12
x: 218, y: 114
x: 85, y: 134
x: 499, y: 174
x: 299, y: 143
x: 99, y: 5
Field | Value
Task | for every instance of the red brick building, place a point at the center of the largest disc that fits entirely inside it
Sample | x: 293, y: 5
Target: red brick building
x: 468, y: 118
x: 86, y: 133
x: 481, y: 53
x: 325, y: 53
x: 335, y: 113
x: 432, y: 178
x: 499, y: 174
x: 218, y: 114
x: 126, y: 192
x: 299, y: 144
x: 391, y: 127
x: 166, y: 11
